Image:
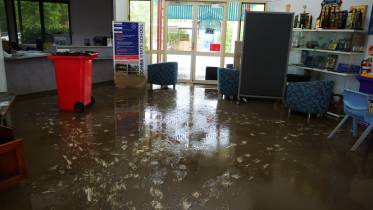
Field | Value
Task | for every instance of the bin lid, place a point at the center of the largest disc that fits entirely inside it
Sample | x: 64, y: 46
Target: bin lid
x: 81, y: 57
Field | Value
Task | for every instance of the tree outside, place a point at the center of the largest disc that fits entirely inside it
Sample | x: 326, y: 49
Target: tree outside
x: 3, y: 24
x: 56, y: 20
x: 140, y: 12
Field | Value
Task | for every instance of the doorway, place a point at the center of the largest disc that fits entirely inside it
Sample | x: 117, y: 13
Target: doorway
x: 193, y: 37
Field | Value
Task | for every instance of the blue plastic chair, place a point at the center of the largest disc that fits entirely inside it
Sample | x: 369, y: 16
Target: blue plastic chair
x: 356, y: 106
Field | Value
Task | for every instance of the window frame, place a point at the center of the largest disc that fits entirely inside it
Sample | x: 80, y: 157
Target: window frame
x: 6, y: 17
x: 150, y: 23
x: 41, y: 16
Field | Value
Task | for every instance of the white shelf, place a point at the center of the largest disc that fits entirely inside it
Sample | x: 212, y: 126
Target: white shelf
x: 324, y: 71
x: 329, y: 51
x: 329, y: 30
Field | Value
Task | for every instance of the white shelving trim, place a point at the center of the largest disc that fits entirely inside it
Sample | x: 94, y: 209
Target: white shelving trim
x: 328, y: 51
x: 329, y: 30
x: 324, y: 71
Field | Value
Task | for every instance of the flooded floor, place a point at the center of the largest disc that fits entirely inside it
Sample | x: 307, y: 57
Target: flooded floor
x: 184, y: 149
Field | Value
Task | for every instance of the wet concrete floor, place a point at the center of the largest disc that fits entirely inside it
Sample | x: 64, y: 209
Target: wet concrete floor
x: 184, y: 149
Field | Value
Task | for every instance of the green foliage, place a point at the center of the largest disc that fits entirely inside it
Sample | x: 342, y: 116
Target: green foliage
x: 140, y: 12
x: 229, y: 40
x: 56, y: 19
x: 174, y: 38
x: 3, y: 24
x: 30, y: 21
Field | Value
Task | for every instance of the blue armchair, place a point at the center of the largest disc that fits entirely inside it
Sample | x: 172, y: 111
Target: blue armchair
x: 163, y: 73
x: 309, y: 97
x: 228, y: 81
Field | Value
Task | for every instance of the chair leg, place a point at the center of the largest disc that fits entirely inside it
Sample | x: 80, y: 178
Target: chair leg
x: 289, y: 112
x: 354, y: 127
x: 309, y: 118
x: 174, y: 86
x: 338, y: 127
x: 362, y: 137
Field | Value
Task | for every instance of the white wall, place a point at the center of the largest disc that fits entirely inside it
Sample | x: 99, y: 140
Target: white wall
x: 121, y: 10
x: 3, y: 84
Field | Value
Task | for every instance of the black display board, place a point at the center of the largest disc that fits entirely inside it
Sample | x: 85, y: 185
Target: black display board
x: 265, y: 54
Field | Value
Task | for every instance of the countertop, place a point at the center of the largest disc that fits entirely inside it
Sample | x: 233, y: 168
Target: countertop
x: 27, y: 56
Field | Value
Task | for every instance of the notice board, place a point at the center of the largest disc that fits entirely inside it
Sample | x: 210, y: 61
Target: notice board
x: 128, y: 46
x: 264, y: 64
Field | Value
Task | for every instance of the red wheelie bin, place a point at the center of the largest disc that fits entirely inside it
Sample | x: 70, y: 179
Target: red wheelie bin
x: 74, y: 81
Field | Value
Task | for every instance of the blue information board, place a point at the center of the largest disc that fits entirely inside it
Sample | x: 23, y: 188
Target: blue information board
x: 128, y: 44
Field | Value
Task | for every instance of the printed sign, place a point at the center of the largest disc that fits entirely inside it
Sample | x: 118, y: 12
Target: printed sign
x: 215, y: 47
x: 128, y: 45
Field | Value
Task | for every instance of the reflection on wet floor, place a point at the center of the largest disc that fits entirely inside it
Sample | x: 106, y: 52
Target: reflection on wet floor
x: 184, y: 149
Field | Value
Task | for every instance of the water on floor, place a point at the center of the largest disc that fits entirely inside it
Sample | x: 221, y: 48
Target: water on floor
x: 184, y: 149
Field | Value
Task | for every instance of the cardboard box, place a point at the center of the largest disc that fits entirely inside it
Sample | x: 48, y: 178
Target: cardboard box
x: 238, y: 54
x: 126, y: 80
x: 12, y: 161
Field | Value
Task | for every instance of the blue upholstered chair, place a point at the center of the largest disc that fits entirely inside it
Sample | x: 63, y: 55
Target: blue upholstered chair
x: 356, y: 106
x: 228, y: 81
x: 229, y: 66
x: 163, y: 73
x: 309, y: 97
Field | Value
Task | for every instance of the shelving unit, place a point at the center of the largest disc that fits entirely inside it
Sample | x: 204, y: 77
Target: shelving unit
x: 339, y: 32
x: 323, y: 37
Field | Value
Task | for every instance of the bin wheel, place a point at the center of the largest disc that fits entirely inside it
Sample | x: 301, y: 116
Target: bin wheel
x: 79, y: 107
x: 93, y: 101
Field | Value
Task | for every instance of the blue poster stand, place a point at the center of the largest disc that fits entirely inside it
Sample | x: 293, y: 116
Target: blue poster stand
x: 128, y: 46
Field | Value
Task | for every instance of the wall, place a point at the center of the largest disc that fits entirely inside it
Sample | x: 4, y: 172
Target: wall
x: 121, y: 10
x: 3, y: 84
x: 90, y: 18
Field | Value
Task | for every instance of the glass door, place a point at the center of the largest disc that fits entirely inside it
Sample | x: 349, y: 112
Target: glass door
x: 210, y: 29
x: 194, y: 33
x: 179, y: 35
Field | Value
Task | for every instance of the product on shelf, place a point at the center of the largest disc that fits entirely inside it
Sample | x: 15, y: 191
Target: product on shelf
x: 303, y: 20
x: 344, y: 45
x: 332, y: 17
x: 348, y: 68
x: 331, y: 62
x: 366, y: 68
x: 356, y: 17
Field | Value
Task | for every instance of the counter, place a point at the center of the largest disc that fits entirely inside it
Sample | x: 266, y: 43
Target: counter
x: 33, y: 73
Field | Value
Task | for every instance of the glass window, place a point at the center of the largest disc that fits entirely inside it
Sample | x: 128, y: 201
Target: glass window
x: 232, y: 26
x: 155, y: 26
x: 249, y: 7
x: 209, y: 27
x: 3, y: 23
x: 56, y: 20
x: 28, y: 21
x: 140, y: 12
